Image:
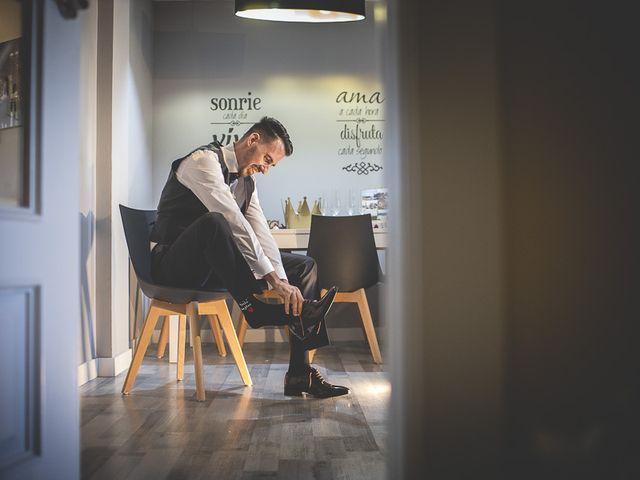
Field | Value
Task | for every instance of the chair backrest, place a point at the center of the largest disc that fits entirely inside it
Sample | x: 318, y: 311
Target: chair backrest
x: 137, y: 228
x: 345, y: 251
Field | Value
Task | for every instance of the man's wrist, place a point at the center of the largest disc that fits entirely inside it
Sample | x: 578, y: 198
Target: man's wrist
x: 272, y: 278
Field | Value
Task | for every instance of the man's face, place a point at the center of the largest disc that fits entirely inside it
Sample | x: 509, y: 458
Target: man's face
x: 259, y: 156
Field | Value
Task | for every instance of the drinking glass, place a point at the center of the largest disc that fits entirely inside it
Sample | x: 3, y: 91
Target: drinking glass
x: 353, y: 208
x: 322, y: 204
x: 335, y: 203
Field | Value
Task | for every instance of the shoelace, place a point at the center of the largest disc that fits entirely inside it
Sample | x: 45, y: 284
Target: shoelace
x: 316, y: 374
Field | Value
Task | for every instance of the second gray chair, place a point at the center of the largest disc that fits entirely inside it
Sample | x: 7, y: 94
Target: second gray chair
x: 344, y: 249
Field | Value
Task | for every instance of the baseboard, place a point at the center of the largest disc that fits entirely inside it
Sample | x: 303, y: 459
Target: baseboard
x: 87, y: 371
x: 112, y: 366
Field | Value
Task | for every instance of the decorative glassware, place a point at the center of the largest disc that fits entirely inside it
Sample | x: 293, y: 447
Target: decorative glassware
x: 335, y: 203
x: 353, y: 208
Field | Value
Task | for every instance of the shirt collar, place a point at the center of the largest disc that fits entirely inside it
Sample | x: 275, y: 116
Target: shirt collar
x: 229, y: 157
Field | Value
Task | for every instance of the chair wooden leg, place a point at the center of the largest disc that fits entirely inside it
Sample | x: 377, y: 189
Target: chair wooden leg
x: 234, y: 344
x: 217, y: 334
x: 164, y: 337
x: 242, y: 329
x: 141, y: 348
x: 196, y: 341
x: 367, y: 322
x: 182, y: 339
x: 310, y: 355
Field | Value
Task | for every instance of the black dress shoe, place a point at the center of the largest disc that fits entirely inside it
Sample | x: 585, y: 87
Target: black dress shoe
x: 313, y: 384
x: 313, y: 312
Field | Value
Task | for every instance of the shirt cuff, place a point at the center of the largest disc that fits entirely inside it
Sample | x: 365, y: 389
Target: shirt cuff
x: 262, y: 267
x: 282, y: 275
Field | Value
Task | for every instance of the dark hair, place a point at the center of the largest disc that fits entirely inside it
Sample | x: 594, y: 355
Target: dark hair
x: 269, y: 129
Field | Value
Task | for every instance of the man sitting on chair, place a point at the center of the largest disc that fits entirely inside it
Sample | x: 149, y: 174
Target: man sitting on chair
x: 211, y: 233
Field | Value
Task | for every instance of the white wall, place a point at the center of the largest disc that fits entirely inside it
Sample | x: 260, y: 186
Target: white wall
x: 88, y: 105
x: 140, y: 103
x: 297, y: 70
x: 120, y: 36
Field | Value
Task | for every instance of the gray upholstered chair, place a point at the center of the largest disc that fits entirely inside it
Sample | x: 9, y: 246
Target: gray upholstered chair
x: 167, y: 300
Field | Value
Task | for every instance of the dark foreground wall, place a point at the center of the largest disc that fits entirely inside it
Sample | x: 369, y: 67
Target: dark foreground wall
x: 570, y: 147
x: 518, y: 123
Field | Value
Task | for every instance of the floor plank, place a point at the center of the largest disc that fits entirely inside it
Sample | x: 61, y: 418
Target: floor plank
x: 160, y: 431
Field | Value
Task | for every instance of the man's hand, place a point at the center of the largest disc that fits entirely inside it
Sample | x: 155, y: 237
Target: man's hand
x: 290, y: 295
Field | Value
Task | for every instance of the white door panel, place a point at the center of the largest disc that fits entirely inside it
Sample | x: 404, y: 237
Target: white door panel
x: 39, y: 269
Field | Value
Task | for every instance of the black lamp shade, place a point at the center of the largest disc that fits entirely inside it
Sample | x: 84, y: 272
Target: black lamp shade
x: 312, y: 11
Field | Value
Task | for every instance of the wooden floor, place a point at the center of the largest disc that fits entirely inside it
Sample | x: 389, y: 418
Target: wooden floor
x: 161, y: 432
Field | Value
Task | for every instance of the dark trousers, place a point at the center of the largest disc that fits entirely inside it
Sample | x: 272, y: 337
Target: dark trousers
x: 206, y: 257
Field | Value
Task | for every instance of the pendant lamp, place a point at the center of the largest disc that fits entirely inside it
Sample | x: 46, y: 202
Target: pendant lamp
x: 311, y: 11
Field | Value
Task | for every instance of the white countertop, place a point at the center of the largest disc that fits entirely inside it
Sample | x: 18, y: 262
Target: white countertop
x: 298, y: 238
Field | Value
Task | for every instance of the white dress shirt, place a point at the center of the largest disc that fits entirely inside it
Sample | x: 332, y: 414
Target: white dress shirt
x: 201, y: 173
